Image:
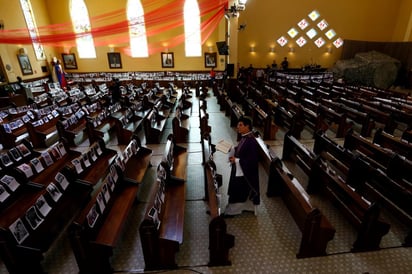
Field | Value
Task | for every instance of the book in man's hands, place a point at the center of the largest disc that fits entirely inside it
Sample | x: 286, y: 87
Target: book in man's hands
x: 224, y: 146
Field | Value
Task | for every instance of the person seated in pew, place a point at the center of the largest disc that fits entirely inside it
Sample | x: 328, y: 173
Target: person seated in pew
x: 243, y: 189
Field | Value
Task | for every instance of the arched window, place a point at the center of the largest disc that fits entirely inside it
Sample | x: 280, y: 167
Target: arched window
x: 81, y: 24
x: 191, y: 12
x: 32, y: 28
x: 137, y: 29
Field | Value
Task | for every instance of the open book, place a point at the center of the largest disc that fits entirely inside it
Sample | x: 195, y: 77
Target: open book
x: 224, y: 146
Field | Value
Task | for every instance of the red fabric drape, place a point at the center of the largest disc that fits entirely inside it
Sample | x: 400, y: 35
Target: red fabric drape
x: 113, y: 28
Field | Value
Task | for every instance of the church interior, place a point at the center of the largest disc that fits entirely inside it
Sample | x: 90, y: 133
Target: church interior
x: 117, y: 119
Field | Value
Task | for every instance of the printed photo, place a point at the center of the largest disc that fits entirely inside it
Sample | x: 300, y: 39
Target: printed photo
x: 33, y: 218
x: 19, y: 231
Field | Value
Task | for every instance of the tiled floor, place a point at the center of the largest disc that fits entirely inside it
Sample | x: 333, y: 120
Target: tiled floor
x: 266, y: 243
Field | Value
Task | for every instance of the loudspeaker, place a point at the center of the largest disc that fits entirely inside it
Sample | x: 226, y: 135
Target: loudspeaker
x: 222, y: 47
x: 230, y: 69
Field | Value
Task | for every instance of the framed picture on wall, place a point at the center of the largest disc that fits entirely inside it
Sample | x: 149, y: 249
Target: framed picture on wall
x: 210, y: 59
x: 69, y: 61
x: 168, y: 60
x: 114, y: 59
x: 24, y: 63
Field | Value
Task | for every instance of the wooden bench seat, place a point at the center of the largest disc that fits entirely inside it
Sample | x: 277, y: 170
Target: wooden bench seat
x: 41, y: 212
x: 289, y: 120
x: 154, y: 125
x: 94, y: 234
x: 325, y: 174
x: 384, y: 118
x: 43, y: 133
x: 396, y: 167
x: 208, y: 149
x: 262, y: 119
x: 391, y: 194
x: 235, y: 113
x: 74, y: 128
x: 228, y: 104
x: 184, y: 102
x: 12, y: 132
x: 220, y: 241
x: 137, y: 163
x: 407, y: 135
x: 316, y: 230
x: 161, y: 231
x: 334, y: 118
x: 205, y: 128
x: 221, y: 97
x: 100, y: 126
x: 127, y: 124
x: 180, y: 128
x: 387, y: 185
x: 162, y: 234
x: 355, y: 142
x: 305, y: 158
x: 393, y: 143
x: 364, y: 215
x: 92, y: 164
x: 363, y: 119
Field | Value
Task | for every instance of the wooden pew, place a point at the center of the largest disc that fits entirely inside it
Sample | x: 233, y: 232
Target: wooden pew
x: 101, y: 124
x: 127, y: 124
x: 386, y: 119
x: 180, y: 127
x: 208, y: 149
x: 327, y: 174
x: 290, y: 120
x: 397, y: 167
x: 23, y: 152
x: 96, y: 231
x: 235, y: 113
x: 395, y: 144
x: 305, y: 158
x: 74, y: 128
x: 205, y: 128
x: 39, y: 214
x: 357, y: 116
x: 137, y: 160
x: 12, y: 132
x: 393, y: 194
x: 227, y: 103
x: 184, y: 100
x: 401, y: 113
x: 361, y: 213
x: 264, y: 119
x: 355, y: 142
x: 175, y: 156
x: 221, y: 97
x: 153, y: 125
x: 407, y: 135
x: 316, y: 230
x: 352, y: 164
x: 161, y: 231
x: 43, y: 132
x: 202, y: 104
x: 332, y: 117
x: 219, y: 240
x: 296, y: 117
x: 91, y: 166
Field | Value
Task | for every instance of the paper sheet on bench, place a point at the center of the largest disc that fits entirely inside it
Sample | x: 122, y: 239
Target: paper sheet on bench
x: 224, y: 146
